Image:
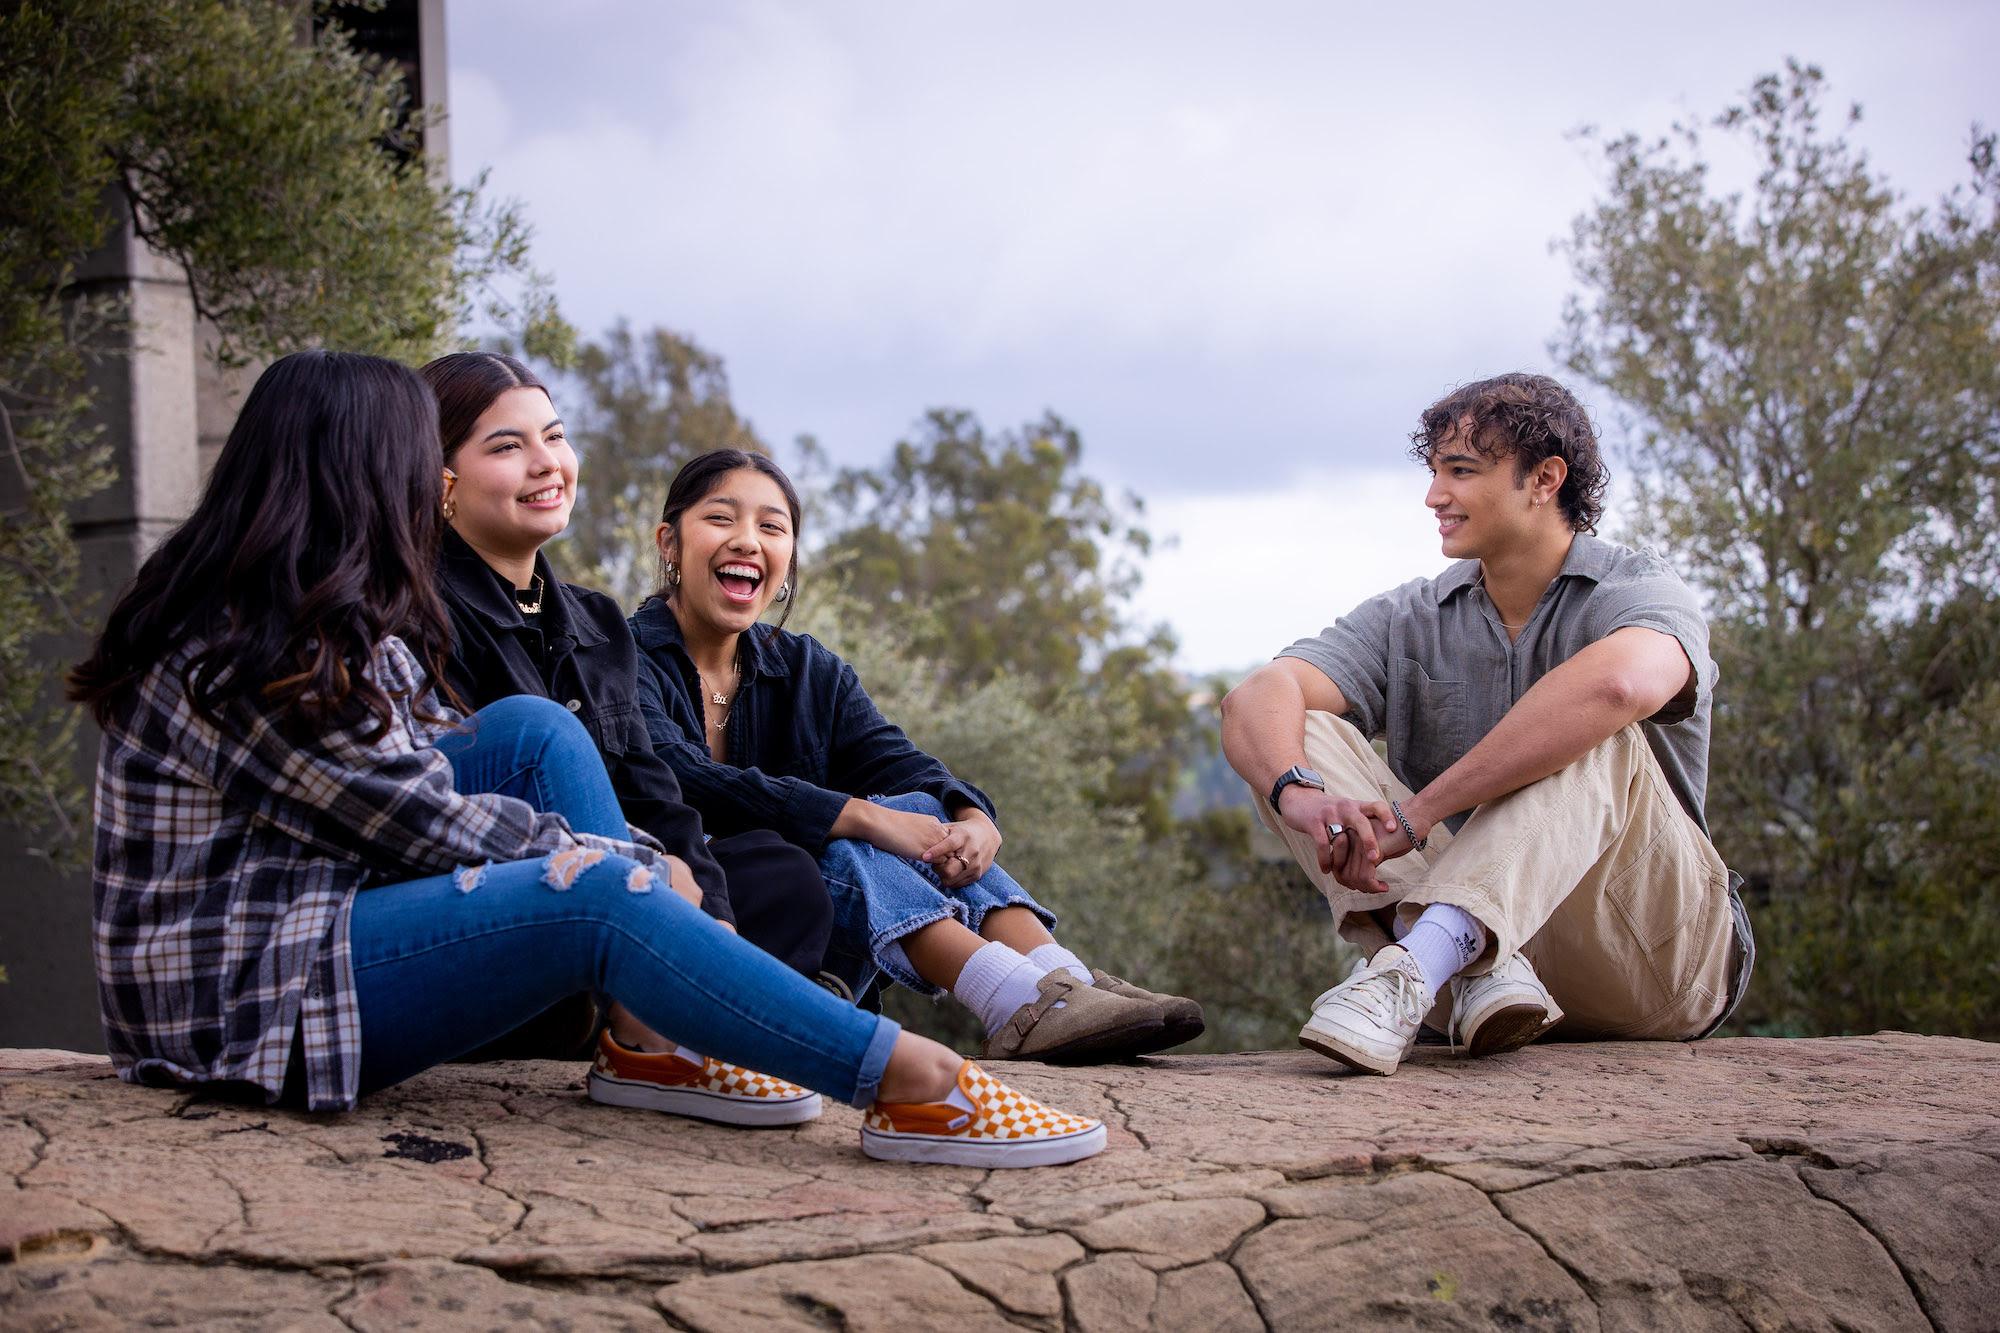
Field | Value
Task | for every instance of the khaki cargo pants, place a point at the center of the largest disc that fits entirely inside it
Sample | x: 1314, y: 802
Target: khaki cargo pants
x: 1595, y: 873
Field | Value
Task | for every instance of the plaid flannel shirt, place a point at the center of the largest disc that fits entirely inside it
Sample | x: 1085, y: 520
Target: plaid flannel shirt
x: 227, y: 860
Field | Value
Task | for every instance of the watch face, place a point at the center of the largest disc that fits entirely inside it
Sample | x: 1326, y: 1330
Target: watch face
x: 1299, y: 776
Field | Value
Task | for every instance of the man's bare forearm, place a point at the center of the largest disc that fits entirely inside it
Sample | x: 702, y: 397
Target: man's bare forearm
x: 1264, y: 727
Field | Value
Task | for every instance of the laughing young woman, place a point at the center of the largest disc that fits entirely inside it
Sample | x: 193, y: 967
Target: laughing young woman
x: 769, y: 729
x: 303, y: 885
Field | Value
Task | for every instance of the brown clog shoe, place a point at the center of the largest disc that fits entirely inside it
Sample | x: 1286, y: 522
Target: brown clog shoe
x: 1070, y: 1023
x: 1181, y: 1016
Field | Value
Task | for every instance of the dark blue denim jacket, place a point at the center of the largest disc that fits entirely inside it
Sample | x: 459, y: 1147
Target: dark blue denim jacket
x: 803, y: 735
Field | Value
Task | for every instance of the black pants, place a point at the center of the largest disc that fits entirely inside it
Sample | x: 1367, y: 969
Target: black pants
x: 781, y: 907
x: 780, y: 900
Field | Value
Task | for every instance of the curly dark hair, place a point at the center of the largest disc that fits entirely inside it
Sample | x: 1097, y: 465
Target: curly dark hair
x: 1530, y: 417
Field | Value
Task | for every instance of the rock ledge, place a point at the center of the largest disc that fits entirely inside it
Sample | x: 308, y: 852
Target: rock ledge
x: 1849, y: 1182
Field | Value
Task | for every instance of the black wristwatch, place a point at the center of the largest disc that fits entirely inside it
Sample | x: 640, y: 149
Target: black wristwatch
x: 1304, y: 777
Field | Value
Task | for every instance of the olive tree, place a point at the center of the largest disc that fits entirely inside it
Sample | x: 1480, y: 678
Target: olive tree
x: 1807, y: 374
x: 277, y: 168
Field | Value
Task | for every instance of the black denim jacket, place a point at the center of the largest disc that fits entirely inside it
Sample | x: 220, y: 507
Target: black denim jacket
x: 803, y: 735
x: 590, y: 666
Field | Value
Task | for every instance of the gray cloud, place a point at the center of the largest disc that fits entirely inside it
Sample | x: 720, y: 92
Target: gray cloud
x: 1283, y: 228
x: 1239, y: 248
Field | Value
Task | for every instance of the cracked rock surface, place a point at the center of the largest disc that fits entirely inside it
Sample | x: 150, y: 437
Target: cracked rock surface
x: 1837, y: 1183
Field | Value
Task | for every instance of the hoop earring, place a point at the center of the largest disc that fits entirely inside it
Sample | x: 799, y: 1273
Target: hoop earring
x: 449, y: 509
x: 673, y: 573
x: 785, y: 591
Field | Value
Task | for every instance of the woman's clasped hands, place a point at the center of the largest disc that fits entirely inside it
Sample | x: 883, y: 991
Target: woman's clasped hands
x: 960, y: 850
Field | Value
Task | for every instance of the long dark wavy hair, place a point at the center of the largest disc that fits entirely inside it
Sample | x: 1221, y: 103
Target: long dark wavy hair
x: 314, y: 540
x: 699, y: 476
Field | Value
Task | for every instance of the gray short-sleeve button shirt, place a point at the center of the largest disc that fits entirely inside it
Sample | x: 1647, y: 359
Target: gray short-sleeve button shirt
x: 1428, y: 667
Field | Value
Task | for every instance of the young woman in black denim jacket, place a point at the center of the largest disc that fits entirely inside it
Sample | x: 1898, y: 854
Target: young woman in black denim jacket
x: 771, y: 730
x: 519, y: 630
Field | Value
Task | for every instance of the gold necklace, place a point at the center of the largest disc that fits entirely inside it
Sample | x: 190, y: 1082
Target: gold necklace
x: 715, y: 696
x: 534, y: 608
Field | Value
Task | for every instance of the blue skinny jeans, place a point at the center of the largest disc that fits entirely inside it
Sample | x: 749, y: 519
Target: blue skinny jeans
x: 446, y: 964
x: 879, y: 897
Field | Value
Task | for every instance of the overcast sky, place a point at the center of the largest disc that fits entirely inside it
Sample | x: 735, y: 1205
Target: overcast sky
x: 1239, y: 247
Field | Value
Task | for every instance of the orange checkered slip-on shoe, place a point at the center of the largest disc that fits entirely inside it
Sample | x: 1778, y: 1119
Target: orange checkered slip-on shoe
x: 683, y: 1083
x: 983, y: 1123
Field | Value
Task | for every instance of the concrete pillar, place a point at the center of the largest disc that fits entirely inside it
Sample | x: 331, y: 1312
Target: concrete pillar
x: 433, y: 64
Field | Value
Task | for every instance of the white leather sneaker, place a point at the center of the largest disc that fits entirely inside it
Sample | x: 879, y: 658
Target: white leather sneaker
x: 1503, y: 1010
x: 1370, y: 1020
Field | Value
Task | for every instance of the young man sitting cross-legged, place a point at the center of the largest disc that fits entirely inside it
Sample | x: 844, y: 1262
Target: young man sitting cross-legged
x: 1536, y: 839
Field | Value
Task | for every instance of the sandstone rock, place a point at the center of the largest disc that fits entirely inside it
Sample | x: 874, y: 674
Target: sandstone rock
x: 890, y: 1293
x: 435, y: 1294
x: 1720, y: 1245
x: 1742, y: 1181
x: 1417, y: 1248
x: 1184, y: 1231
x: 1902, y: 1195
x: 37, y: 1220
x: 29, y: 1061
x: 1015, y: 1272
x: 1118, y: 1294
x: 120, y: 1293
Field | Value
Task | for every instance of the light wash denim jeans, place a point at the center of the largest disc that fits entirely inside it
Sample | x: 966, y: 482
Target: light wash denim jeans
x: 440, y: 971
x: 519, y: 747
x: 879, y: 897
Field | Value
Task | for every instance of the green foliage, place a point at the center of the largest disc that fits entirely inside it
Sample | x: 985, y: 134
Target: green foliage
x: 1918, y: 946
x: 1811, y: 375
x: 1000, y: 556
x: 638, y: 407
x: 267, y: 167
x: 1002, y: 540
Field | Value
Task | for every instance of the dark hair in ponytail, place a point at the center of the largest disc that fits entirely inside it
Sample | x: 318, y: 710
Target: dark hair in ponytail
x: 466, y: 383
x: 314, y: 540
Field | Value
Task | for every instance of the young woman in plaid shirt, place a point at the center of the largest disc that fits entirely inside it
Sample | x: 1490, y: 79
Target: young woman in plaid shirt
x: 295, y: 890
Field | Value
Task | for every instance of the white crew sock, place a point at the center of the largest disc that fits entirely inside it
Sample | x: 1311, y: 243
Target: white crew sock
x: 995, y: 982
x: 1444, y: 940
x: 1051, y: 956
